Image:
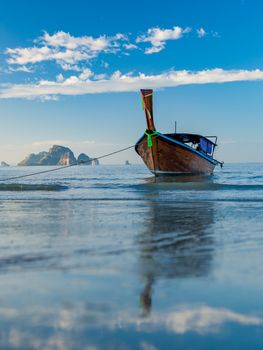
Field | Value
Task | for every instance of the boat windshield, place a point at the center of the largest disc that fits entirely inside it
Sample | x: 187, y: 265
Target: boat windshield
x: 200, y: 143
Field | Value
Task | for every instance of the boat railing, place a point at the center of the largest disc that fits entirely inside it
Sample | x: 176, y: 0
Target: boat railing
x: 212, y: 137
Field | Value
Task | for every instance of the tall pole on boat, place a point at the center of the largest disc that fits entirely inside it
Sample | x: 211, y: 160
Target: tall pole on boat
x: 175, y: 127
x: 147, y: 103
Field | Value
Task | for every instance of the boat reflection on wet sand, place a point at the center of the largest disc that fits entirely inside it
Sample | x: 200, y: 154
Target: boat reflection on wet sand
x: 177, y: 242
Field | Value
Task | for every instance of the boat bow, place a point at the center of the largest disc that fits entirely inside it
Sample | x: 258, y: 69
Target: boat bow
x: 173, y: 153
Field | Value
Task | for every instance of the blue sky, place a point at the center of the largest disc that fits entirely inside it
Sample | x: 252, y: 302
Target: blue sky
x: 70, y: 73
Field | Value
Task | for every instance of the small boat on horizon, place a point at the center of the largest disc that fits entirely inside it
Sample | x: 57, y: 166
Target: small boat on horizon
x: 174, y: 153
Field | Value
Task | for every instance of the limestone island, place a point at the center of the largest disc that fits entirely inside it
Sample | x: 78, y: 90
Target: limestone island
x: 57, y: 155
x: 4, y: 164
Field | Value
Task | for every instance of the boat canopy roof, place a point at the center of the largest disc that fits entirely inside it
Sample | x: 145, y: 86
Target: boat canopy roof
x: 200, y: 143
x: 192, y: 138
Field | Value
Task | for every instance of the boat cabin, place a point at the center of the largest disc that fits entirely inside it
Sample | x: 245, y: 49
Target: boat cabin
x: 203, y: 144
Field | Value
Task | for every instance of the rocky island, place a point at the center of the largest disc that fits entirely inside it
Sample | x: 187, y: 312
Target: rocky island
x: 4, y: 164
x: 57, y: 155
x: 84, y: 159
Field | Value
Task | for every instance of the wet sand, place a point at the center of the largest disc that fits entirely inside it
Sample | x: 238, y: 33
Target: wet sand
x: 131, y: 274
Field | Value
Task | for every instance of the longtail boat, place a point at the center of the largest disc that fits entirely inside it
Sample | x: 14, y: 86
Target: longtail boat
x: 174, y: 153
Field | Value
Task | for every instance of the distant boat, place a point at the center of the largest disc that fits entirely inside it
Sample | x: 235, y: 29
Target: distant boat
x: 127, y: 162
x: 174, y: 153
x: 95, y: 162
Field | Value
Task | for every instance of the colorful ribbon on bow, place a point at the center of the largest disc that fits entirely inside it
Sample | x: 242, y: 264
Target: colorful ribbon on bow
x: 149, y: 137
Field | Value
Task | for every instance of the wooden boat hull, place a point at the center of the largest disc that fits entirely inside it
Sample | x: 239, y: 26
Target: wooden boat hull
x: 170, y: 157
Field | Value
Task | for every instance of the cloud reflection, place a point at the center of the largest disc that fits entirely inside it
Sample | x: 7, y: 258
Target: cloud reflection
x: 72, y: 327
x: 205, y: 319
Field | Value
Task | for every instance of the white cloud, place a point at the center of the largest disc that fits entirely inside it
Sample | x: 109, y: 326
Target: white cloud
x: 105, y: 64
x: 33, y: 55
x: 65, y: 40
x: 201, y: 32
x: 70, y: 51
x: 158, y: 37
x: 73, y: 67
x: 100, y: 76
x: 75, y: 85
x: 130, y: 46
x: 206, y: 319
x: 154, y: 49
x: 24, y: 69
x: 64, y: 49
x: 86, y: 74
x: 60, y: 78
x: 28, y: 55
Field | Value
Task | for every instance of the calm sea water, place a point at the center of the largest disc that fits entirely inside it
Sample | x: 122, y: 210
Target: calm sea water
x: 107, y: 257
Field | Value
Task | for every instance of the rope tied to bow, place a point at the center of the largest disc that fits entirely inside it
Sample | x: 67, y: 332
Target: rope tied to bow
x: 149, y: 137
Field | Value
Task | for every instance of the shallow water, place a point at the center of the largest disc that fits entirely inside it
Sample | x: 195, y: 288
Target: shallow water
x: 108, y: 257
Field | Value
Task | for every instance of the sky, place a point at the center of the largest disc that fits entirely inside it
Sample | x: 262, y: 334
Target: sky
x: 71, y: 71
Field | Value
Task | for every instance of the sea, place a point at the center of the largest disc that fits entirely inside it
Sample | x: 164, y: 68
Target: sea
x: 109, y: 257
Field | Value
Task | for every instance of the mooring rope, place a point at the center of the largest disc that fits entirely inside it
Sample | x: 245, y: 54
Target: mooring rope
x: 68, y: 166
